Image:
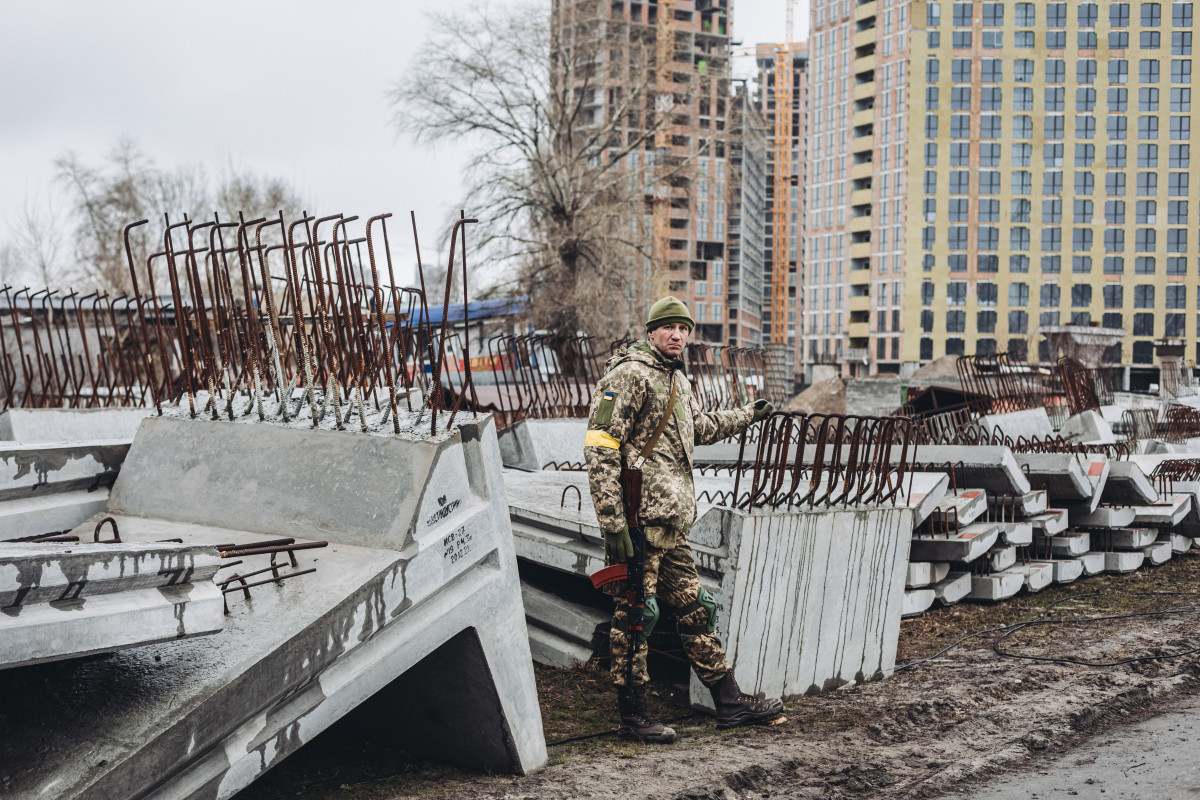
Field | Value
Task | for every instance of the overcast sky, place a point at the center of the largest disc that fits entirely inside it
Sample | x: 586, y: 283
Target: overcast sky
x: 296, y: 89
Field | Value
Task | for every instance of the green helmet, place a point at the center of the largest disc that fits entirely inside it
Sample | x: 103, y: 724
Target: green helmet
x: 667, y: 310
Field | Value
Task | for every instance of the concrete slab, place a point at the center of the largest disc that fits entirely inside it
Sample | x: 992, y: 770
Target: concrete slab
x: 1030, y: 423
x: 1093, y: 562
x: 993, y: 469
x: 39, y: 515
x: 27, y: 470
x: 1121, y: 561
x: 971, y: 542
x: 1158, y: 553
x: 1124, y: 538
x: 917, y: 602
x: 1102, y: 517
x: 922, y: 491
x: 533, y: 443
x: 1050, y: 522
x: 1067, y: 544
x: 1016, y: 533
x: 1061, y: 474
x: 1179, y: 542
x: 560, y: 632
x: 953, y: 588
x: 415, y: 608
x: 1036, y: 575
x: 837, y: 578
x: 1067, y: 570
x: 1096, y: 471
x: 997, y: 586
x: 1166, y: 513
x: 961, y: 509
x: 1001, y: 557
x: 924, y: 573
x: 1128, y: 484
x: 71, y: 425
x: 1088, y: 427
x: 1028, y: 504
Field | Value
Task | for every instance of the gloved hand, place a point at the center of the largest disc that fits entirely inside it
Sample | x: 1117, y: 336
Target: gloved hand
x: 762, y: 409
x: 618, y: 546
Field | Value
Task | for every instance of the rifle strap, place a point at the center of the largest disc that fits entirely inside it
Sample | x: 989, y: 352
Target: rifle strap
x: 662, y: 424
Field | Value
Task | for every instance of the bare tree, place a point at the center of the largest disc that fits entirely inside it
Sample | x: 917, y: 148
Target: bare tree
x: 561, y: 112
x: 36, y: 239
x: 128, y: 186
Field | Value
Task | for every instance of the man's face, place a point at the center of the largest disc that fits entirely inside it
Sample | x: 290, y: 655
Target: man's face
x: 670, y: 338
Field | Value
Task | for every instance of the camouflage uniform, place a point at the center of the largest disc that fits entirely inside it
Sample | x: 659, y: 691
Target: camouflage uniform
x: 629, y: 401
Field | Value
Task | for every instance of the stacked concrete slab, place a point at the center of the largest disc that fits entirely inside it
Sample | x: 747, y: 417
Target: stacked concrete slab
x: 784, y: 579
x: 414, y: 607
x: 56, y: 466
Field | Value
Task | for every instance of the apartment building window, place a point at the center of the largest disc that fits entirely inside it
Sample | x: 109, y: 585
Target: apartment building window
x: 989, y: 126
x: 956, y: 321
x: 1023, y: 70
x: 1081, y: 295
x: 1022, y: 99
x: 956, y: 293
x: 1148, y: 99
x: 1052, y: 211
x: 1022, y: 127
x: 1151, y: 15
x: 1114, y: 183
x: 985, y: 322
x: 1143, y: 295
x: 1085, y: 99
x: 1143, y: 324
x: 1149, y: 40
x: 1083, y: 208
x: 1144, y: 240
x: 960, y: 181
x: 1048, y: 318
x: 1116, y: 127
x: 1181, y: 15
x: 1179, y: 156
x: 1026, y: 15
x: 1181, y: 45
x: 1143, y: 352
x: 1081, y: 239
x: 1147, y: 155
x: 927, y: 292
x: 1081, y: 265
x: 986, y: 293
x: 1118, y: 40
x: 1147, y: 127
x: 1114, y: 265
x: 1176, y: 265
x: 1118, y: 70
x: 1114, y: 213
x: 1174, y: 326
x: 1018, y: 322
x: 1176, y: 295
x: 1177, y: 240
x: 1051, y: 239
x: 960, y: 70
x: 1118, y: 98
x: 959, y: 40
x: 926, y: 348
x: 1050, y: 295
x: 1147, y: 212
x: 1023, y: 40
x: 1148, y: 70
x: 962, y: 14
x: 1051, y: 264
x: 1118, y: 15
x: 1018, y: 294
x: 993, y: 40
x: 1114, y: 294
x: 1052, y: 183
x: 1144, y: 265
x: 1018, y: 263
x: 1056, y: 69
x: 1181, y: 128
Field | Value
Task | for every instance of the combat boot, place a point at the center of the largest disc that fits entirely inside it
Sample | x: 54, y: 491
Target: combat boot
x: 636, y: 721
x: 736, y: 708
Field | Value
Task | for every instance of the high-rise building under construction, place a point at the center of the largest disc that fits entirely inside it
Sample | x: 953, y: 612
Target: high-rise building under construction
x: 1012, y: 166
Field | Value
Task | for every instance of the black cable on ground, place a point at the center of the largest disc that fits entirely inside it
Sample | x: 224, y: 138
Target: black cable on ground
x: 611, y: 732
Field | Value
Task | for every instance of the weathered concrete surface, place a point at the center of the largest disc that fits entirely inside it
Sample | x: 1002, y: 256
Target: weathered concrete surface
x: 1168, y: 512
x: 916, y: 602
x: 1088, y: 427
x: 1024, y: 505
x: 923, y: 573
x: 1062, y: 474
x: 1050, y: 522
x: 971, y: 542
x: 534, y: 443
x: 832, y: 616
x: 1093, y: 562
x: 71, y: 425
x: 39, y: 515
x: 954, y: 587
x: 1016, y: 533
x: 960, y: 509
x: 1001, y: 557
x: 993, y: 469
x: 1158, y: 553
x: 1030, y: 423
x: 560, y: 632
x: 1124, y: 538
x: 1067, y: 570
x: 1037, y: 575
x: 49, y: 488
x: 416, y: 598
x: 997, y: 586
x: 1128, y: 485
x: 1102, y: 517
x: 1119, y: 561
x: 1067, y: 544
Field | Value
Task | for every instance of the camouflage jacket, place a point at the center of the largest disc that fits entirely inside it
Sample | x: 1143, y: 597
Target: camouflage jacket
x: 629, y: 401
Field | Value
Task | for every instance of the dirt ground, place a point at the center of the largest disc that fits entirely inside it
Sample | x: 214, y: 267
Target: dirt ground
x: 933, y: 727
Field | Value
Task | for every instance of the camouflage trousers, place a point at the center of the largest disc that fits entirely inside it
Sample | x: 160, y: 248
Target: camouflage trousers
x: 671, y: 577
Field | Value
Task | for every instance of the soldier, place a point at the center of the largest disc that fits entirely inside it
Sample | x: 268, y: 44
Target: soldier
x: 629, y: 401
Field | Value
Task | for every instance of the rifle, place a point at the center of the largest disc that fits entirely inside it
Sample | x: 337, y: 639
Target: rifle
x: 633, y: 571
